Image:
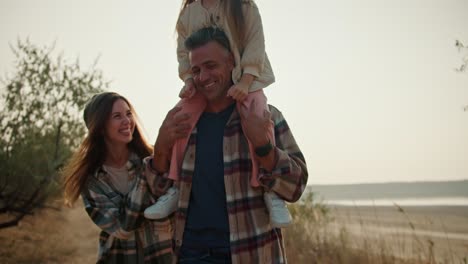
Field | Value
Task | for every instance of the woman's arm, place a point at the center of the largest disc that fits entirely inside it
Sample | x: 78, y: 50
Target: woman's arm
x: 113, y: 214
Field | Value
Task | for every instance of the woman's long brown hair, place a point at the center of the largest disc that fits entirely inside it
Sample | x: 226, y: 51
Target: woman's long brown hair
x: 92, y: 151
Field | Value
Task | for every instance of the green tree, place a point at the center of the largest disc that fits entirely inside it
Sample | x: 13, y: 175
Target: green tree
x: 41, y: 124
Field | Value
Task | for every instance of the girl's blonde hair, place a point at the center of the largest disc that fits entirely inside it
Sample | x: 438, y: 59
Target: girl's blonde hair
x: 92, y: 151
x: 232, y: 9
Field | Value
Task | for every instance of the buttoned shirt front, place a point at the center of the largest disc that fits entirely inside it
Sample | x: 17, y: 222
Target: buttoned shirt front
x: 126, y: 236
x: 252, y: 238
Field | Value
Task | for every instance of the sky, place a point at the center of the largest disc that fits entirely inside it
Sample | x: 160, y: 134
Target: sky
x: 368, y: 87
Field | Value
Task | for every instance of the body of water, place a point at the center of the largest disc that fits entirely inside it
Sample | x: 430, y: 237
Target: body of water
x: 449, y: 193
x: 428, y: 201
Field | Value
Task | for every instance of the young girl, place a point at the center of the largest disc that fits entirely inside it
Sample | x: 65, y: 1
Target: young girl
x: 109, y: 174
x: 241, y: 21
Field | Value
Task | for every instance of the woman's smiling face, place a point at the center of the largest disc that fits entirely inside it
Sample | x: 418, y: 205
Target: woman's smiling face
x: 120, y: 124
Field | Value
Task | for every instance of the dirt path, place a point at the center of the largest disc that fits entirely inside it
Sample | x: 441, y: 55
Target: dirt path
x: 83, y: 235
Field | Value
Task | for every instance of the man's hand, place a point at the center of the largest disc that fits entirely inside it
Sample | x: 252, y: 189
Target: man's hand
x: 256, y: 128
x: 173, y: 127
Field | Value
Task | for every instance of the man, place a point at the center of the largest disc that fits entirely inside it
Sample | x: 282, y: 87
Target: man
x: 221, y: 218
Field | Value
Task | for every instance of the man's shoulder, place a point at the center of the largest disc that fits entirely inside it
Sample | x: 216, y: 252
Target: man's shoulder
x: 276, y: 114
x: 273, y: 109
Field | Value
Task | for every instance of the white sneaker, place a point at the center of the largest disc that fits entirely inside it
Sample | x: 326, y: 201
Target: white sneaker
x: 279, y: 213
x: 164, y: 206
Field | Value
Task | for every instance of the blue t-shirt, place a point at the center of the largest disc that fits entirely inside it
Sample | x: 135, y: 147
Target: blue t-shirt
x: 207, y: 218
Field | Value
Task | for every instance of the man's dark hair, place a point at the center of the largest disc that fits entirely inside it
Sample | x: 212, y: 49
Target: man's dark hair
x: 205, y: 35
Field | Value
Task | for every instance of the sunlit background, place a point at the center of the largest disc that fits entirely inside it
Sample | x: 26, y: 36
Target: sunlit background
x: 369, y: 87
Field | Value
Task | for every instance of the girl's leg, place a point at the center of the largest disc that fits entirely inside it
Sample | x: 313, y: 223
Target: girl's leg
x: 167, y: 203
x: 261, y: 102
x: 193, y: 106
x: 279, y: 214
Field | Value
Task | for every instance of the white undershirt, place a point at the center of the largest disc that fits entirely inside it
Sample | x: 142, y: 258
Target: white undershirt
x: 120, y: 178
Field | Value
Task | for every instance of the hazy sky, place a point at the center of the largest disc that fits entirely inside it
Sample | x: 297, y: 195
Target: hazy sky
x: 368, y: 86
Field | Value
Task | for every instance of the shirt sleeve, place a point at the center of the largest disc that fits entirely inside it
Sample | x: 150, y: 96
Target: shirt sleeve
x: 115, y: 215
x: 158, y: 183
x: 253, y: 50
x: 289, y: 178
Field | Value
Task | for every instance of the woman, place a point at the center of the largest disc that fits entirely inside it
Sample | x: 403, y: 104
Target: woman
x: 109, y: 174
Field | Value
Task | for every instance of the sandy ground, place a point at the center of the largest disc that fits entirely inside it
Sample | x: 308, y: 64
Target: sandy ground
x: 411, y: 231
x: 85, y: 234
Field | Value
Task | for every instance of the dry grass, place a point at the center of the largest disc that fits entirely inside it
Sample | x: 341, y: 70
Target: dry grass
x: 321, y: 235
x: 318, y: 235
x: 35, y: 240
x: 50, y: 236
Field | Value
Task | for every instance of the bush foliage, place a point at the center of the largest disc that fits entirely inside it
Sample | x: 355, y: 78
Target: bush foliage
x: 40, y: 116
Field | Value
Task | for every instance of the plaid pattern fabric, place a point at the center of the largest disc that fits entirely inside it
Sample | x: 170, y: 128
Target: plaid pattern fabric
x: 252, y: 238
x: 126, y: 236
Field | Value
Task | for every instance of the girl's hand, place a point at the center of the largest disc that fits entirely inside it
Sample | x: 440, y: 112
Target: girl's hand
x: 239, y: 91
x: 188, y: 90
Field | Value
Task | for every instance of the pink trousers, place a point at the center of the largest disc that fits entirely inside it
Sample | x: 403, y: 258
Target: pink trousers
x: 195, y: 107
